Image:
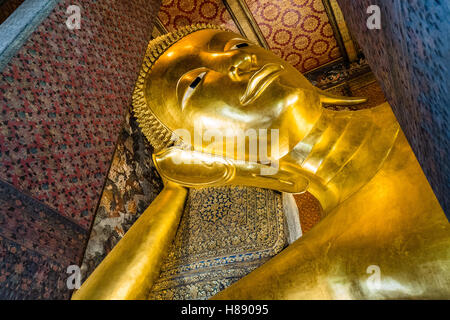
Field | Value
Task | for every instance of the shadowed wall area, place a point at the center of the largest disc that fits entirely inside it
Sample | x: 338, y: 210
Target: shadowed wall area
x: 7, y: 7
x: 409, y: 56
x: 63, y: 99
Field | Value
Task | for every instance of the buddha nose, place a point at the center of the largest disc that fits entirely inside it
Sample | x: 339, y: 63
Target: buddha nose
x: 241, y: 63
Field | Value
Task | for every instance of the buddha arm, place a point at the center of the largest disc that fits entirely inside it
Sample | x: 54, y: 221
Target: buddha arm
x: 129, y: 270
x: 393, y: 223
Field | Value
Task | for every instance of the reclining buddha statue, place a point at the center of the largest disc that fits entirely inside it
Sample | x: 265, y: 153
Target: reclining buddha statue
x: 220, y: 110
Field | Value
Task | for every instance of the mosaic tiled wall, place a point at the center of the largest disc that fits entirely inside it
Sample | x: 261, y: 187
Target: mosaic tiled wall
x: 131, y: 186
x: 36, y: 245
x: 409, y: 57
x: 63, y: 98
x: 177, y: 13
x: 298, y: 31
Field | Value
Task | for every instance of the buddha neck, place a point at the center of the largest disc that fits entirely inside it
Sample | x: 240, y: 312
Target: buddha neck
x: 343, y: 151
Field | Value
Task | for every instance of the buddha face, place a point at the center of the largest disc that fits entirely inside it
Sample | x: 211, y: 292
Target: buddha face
x: 216, y: 80
x: 213, y: 79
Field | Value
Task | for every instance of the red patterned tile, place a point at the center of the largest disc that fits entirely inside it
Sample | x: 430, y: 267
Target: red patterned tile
x: 37, y: 245
x: 177, y: 13
x: 297, y: 30
x: 63, y: 98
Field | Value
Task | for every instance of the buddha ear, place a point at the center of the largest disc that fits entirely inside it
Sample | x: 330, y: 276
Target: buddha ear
x: 328, y: 98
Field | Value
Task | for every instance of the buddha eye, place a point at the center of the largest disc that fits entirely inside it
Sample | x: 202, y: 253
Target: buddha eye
x: 190, y: 90
x: 197, y: 80
x: 239, y: 45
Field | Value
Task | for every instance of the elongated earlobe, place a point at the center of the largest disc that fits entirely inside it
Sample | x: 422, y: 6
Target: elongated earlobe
x: 328, y: 98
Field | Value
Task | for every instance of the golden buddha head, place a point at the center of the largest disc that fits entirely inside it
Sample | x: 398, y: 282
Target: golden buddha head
x: 203, y: 77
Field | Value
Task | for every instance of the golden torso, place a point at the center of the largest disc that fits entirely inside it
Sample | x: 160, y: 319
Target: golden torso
x: 393, y: 226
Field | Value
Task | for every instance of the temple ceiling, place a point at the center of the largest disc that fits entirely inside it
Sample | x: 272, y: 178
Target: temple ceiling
x: 306, y: 33
x: 178, y: 13
x: 298, y: 31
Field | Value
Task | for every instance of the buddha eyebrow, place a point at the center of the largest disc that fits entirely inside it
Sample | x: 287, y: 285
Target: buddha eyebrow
x: 216, y: 45
x: 238, y: 39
